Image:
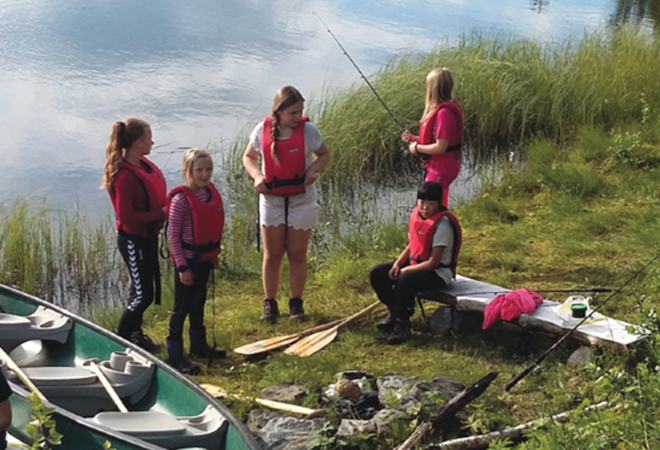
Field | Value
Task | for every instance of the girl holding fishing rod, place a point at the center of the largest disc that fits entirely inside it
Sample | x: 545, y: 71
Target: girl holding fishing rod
x: 440, y: 133
x: 292, y: 154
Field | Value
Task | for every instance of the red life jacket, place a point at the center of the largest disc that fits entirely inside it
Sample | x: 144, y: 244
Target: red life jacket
x: 421, y: 232
x: 285, y: 179
x: 427, y: 128
x: 155, y: 189
x: 208, y: 222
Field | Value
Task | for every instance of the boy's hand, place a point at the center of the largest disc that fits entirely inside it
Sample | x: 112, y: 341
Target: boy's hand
x: 187, y: 277
x: 395, y: 271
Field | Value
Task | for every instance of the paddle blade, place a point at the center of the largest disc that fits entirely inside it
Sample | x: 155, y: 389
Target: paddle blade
x: 313, y: 343
x: 266, y: 345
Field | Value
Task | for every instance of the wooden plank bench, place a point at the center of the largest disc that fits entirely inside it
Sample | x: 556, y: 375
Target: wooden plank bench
x: 466, y: 294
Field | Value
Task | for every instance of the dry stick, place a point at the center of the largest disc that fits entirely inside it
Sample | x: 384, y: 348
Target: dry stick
x: 218, y: 392
x: 448, y: 410
x: 317, y: 341
x: 20, y: 374
x: 266, y: 345
x: 540, y: 359
x: 515, y: 433
x: 93, y: 364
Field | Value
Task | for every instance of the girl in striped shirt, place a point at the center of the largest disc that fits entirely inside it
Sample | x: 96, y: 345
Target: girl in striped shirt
x: 195, y: 224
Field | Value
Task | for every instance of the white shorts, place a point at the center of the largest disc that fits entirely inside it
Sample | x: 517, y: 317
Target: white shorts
x: 303, y: 211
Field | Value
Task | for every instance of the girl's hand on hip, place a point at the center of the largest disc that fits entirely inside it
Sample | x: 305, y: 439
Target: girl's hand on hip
x: 310, y: 178
x: 260, y: 185
x: 187, y: 277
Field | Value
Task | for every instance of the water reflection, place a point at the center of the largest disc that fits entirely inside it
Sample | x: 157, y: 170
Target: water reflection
x: 637, y: 11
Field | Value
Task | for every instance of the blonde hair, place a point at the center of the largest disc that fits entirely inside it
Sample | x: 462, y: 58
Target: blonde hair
x: 190, y: 158
x: 285, y: 97
x: 122, y: 136
x: 439, y: 85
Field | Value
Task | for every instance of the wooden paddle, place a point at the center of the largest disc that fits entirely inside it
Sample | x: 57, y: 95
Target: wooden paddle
x: 218, y: 392
x: 266, y: 345
x: 315, y: 342
x: 21, y: 375
x: 93, y: 364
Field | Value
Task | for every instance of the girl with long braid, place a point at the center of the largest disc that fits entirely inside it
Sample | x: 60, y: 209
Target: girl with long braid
x: 292, y: 154
x: 138, y: 193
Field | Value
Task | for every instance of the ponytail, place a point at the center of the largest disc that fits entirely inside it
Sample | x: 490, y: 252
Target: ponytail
x: 122, y: 136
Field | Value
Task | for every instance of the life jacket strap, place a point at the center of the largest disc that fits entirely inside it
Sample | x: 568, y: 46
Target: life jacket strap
x: 295, y: 181
x: 206, y: 248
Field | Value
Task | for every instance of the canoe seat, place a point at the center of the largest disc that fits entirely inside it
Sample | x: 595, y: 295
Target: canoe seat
x: 204, y: 430
x: 60, y: 376
x: 43, y: 324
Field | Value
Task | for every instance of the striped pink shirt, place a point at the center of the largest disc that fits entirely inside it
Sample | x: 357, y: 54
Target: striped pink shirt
x: 180, y: 226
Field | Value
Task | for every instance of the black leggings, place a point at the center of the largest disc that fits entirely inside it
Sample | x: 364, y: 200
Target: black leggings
x: 189, y: 300
x: 141, y: 257
x: 399, y: 295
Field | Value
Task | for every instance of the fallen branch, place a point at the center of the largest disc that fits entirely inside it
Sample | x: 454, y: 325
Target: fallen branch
x: 514, y: 434
x: 448, y: 410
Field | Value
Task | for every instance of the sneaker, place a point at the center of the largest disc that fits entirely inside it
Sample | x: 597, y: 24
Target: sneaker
x: 387, y: 325
x: 296, y: 311
x: 144, y: 341
x: 271, y: 311
x: 400, y: 334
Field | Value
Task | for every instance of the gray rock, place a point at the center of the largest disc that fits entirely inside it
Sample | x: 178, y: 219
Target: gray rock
x: 286, y: 392
x: 392, y: 387
x: 290, y: 433
x: 441, y: 321
x: 385, y: 418
x: 447, y: 388
x: 349, y: 427
x: 258, y: 418
x: 581, y: 357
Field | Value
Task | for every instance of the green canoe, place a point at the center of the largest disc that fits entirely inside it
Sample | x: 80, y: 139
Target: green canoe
x: 165, y: 409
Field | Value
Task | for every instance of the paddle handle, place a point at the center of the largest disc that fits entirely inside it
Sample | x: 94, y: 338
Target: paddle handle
x: 359, y: 314
x: 21, y: 375
x: 108, y: 387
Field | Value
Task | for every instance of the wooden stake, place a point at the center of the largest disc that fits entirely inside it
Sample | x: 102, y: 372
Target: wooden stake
x: 218, y: 392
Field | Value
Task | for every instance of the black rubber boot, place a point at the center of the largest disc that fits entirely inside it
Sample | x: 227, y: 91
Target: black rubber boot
x: 271, y: 310
x: 178, y: 361
x: 199, y: 347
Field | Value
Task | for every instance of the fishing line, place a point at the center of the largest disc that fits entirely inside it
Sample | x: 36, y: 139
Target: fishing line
x: 361, y: 74
x: 565, y: 336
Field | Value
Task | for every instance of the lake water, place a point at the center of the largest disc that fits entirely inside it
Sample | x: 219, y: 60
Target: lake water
x: 200, y: 71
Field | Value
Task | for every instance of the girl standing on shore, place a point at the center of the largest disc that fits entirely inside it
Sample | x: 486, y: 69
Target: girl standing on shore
x: 292, y: 154
x: 195, y: 224
x: 138, y: 193
x: 440, y: 133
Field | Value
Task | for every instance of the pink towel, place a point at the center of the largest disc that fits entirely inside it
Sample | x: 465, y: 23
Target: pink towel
x: 510, y: 305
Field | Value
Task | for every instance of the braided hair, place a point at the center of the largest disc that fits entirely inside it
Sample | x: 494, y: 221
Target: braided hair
x: 122, y: 136
x: 285, y: 97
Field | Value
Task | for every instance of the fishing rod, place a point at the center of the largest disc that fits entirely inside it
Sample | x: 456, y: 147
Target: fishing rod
x: 361, y: 74
x: 565, y: 336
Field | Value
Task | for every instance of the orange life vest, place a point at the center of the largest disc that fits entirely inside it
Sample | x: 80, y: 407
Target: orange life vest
x: 421, y: 231
x: 427, y: 128
x: 155, y: 188
x: 208, y: 222
x: 285, y: 179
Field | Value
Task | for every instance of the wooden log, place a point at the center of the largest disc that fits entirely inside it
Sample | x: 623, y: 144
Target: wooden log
x: 514, y: 434
x: 448, y: 410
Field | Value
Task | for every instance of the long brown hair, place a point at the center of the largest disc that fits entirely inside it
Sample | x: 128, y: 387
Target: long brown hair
x: 439, y: 85
x: 285, y: 97
x: 122, y: 136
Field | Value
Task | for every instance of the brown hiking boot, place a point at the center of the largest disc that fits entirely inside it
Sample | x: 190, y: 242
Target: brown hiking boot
x: 387, y: 325
x: 271, y: 311
x: 296, y: 311
x: 400, y: 334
